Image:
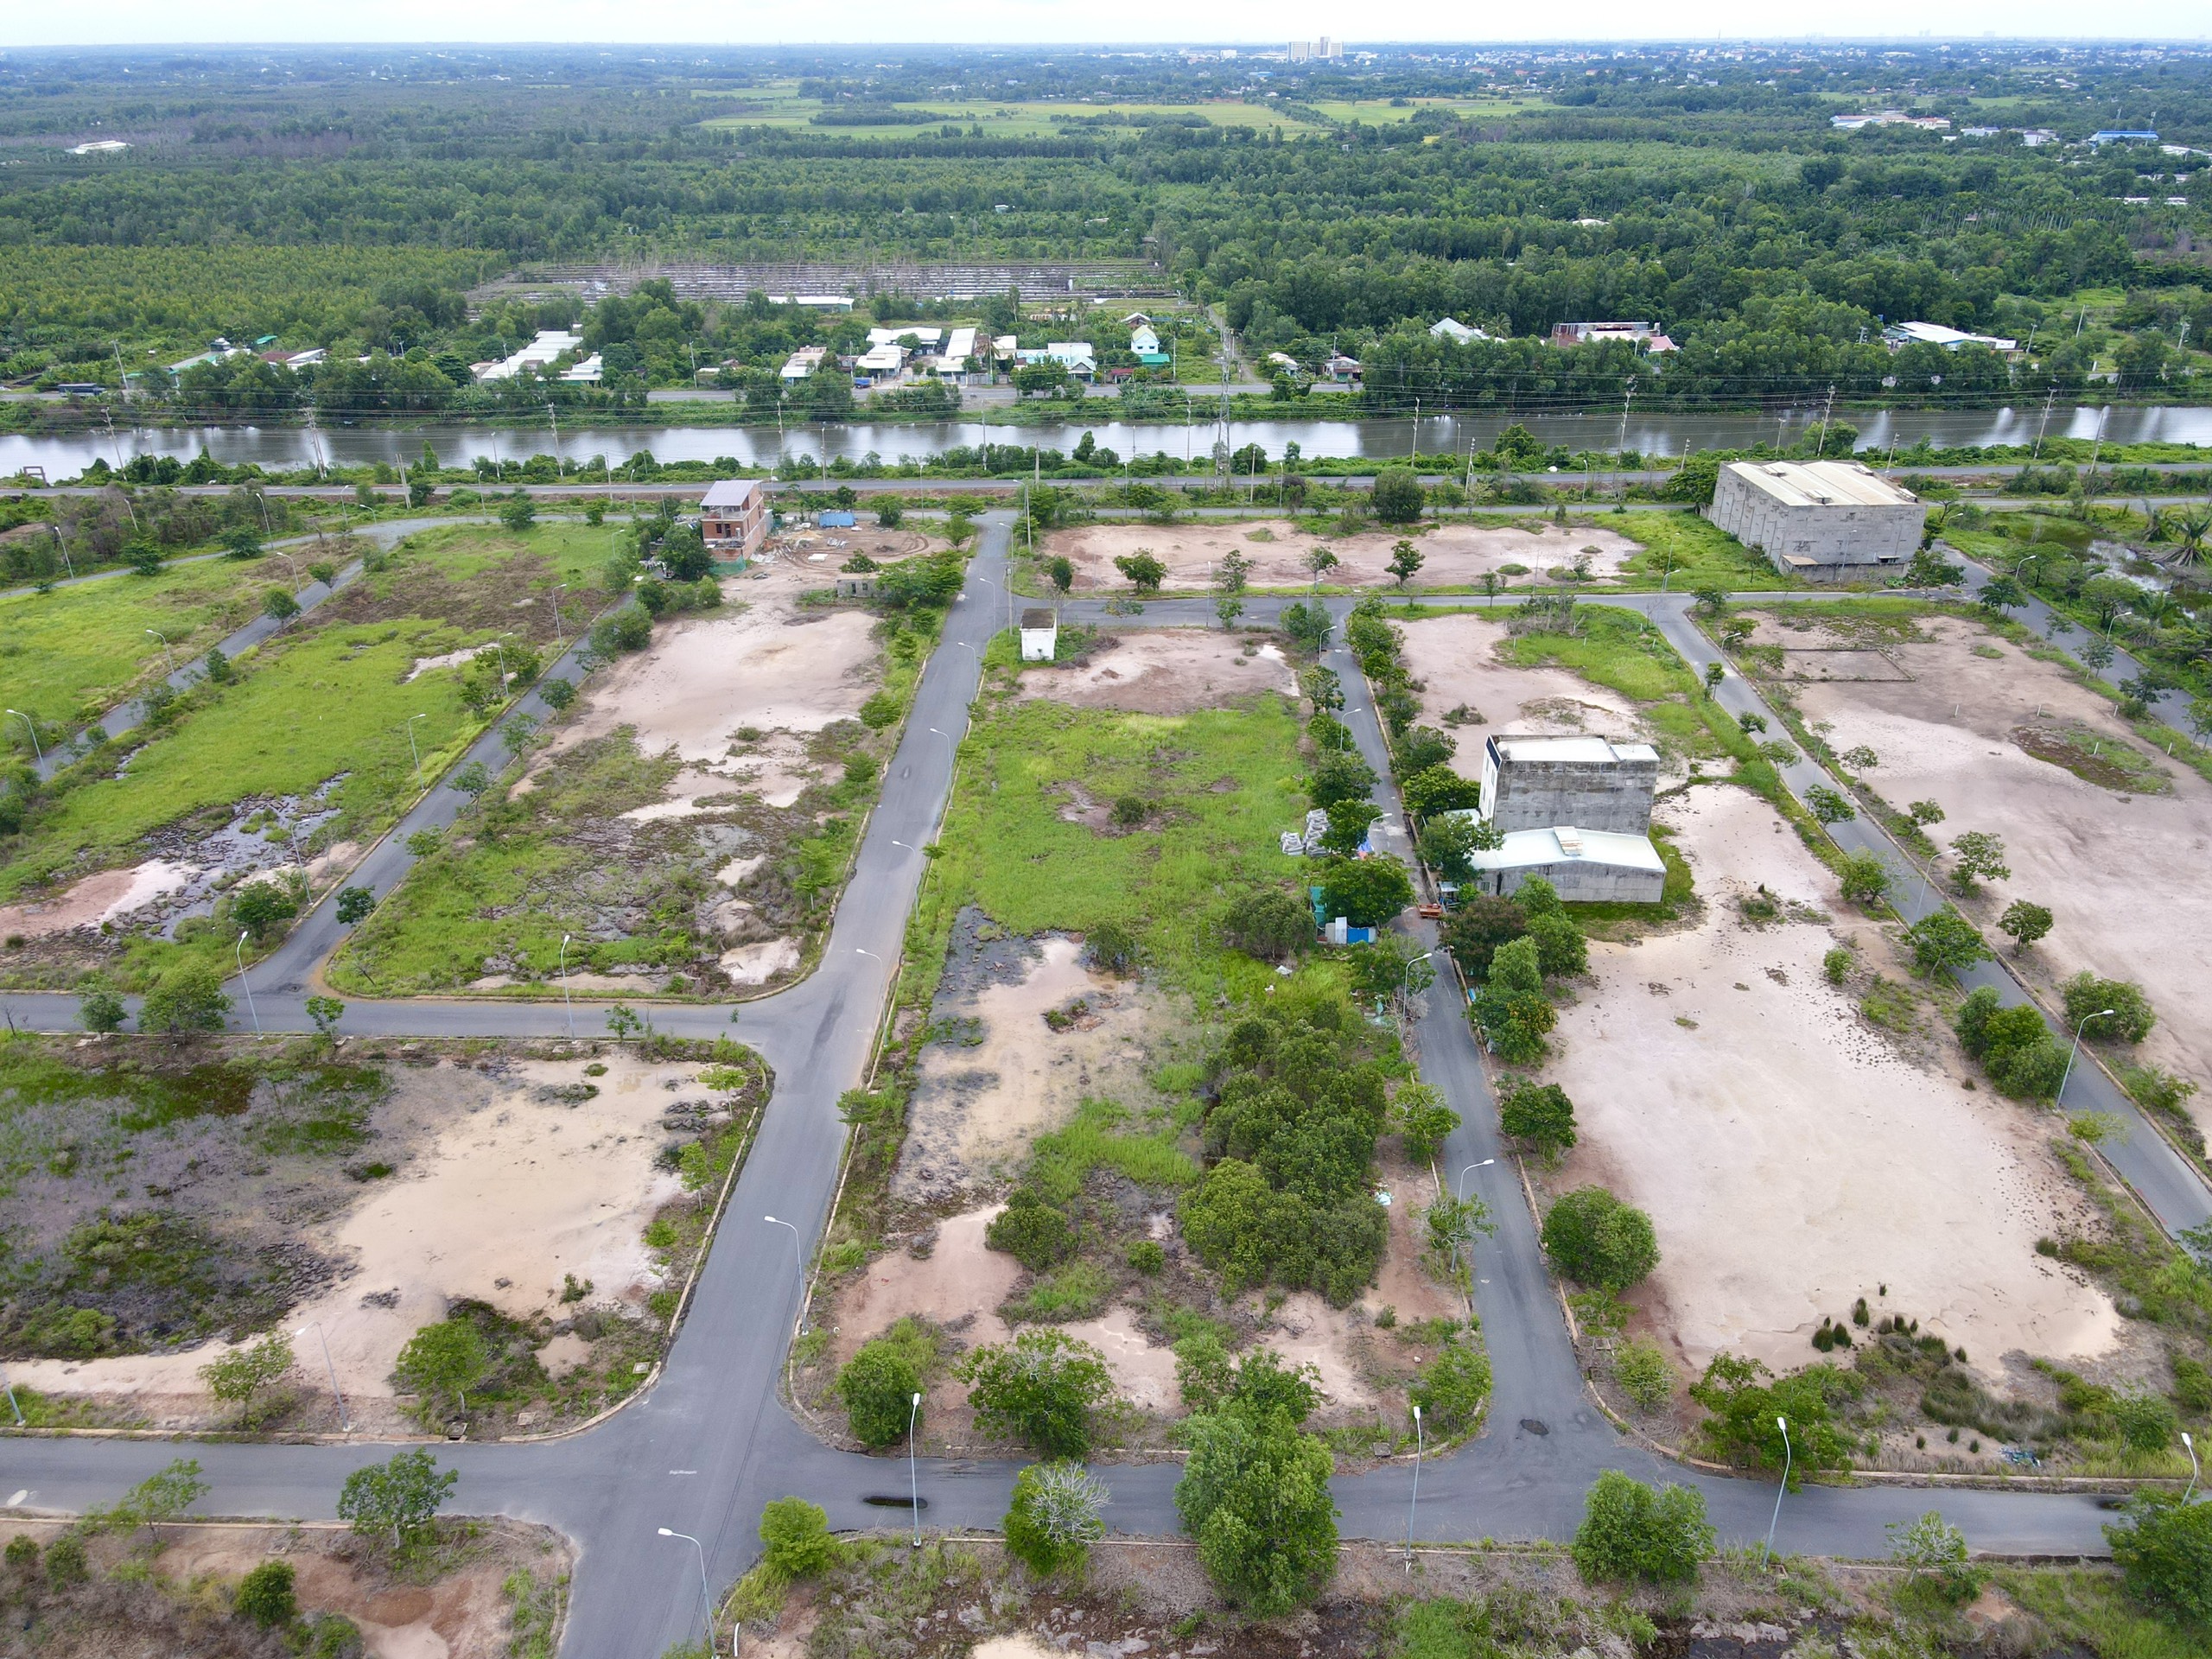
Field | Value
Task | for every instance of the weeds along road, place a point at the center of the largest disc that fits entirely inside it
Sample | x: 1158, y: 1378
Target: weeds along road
x: 710, y: 1440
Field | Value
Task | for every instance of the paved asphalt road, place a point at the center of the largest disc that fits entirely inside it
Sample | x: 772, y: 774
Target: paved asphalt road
x: 709, y: 1442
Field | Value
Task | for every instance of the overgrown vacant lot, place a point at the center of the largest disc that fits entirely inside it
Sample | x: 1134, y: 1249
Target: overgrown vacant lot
x: 690, y: 822
x: 2109, y: 835
x: 168, y: 1205
x: 68, y: 656
x: 301, y: 759
x: 1794, y: 1153
x: 1454, y: 554
x: 1061, y: 1037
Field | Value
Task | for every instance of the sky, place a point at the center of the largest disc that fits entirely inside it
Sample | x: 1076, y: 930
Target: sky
x: 991, y: 22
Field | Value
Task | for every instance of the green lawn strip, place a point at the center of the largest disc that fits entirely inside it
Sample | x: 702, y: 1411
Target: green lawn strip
x: 329, y: 703
x: 1686, y: 552
x: 68, y: 656
x: 574, y: 553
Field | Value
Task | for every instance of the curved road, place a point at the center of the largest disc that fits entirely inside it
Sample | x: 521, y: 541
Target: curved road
x: 710, y: 1442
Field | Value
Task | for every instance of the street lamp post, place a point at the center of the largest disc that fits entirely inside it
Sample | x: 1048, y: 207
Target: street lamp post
x: 567, y: 1007
x: 2189, y: 1446
x: 799, y: 1258
x: 1787, y: 1454
x: 1415, y: 1505
x: 1459, y: 1186
x: 31, y: 726
x: 344, y: 1416
x: 169, y: 657
x: 706, y: 1606
x: 246, y: 986
x: 411, y: 749
x: 913, y: 1473
x: 2068, y: 1074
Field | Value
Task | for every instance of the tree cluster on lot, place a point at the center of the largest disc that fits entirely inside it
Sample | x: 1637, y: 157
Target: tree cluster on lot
x: 1539, y: 1114
x: 1042, y: 1389
x: 1267, y: 923
x: 1055, y: 1516
x: 1743, y: 1399
x: 2131, y: 1016
x: 1254, y: 1491
x: 2165, y: 1551
x: 1630, y: 1533
x: 879, y: 1382
x: 2013, y: 1045
x: 400, y: 1498
x: 1596, y: 1240
x: 1299, y: 1103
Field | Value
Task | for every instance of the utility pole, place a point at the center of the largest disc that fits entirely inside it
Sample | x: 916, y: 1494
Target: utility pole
x: 2048, y: 398
x: 1827, y: 410
x: 1620, y: 442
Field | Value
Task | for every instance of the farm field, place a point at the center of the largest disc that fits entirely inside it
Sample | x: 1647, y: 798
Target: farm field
x: 690, y: 821
x: 1037, y: 1066
x: 372, y: 1189
x: 69, y: 655
x: 301, y: 759
x: 2089, y: 816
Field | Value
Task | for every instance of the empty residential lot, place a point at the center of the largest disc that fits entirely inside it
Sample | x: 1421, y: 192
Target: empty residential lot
x: 2119, y: 862
x: 1457, y: 554
x: 1793, y: 1157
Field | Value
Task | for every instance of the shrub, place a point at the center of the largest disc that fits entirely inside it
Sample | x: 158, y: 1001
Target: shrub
x: 1641, y: 1368
x: 189, y: 999
x: 1561, y: 949
x: 1041, y: 1388
x: 1110, y: 946
x: 1630, y: 1532
x: 628, y: 629
x: 1945, y: 942
x: 1366, y: 891
x: 557, y: 694
x: 1424, y: 747
x: 2132, y: 1018
x: 1255, y: 1495
x: 1031, y: 1231
x: 795, y: 1538
x: 1451, y: 1389
x: 266, y: 1595
x: 1512, y: 1009
x: 1204, y: 1371
x: 65, y: 1561
x: 2014, y: 1046
x: 1054, y: 1517
x: 1439, y: 789
x: 1932, y: 1546
x: 2025, y: 923
x: 402, y: 1497
x: 2165, y: 1552
x: 21, y: 1554
x: 1423, y: 1119
x: 1836, y: 965
x: 1268, y: 924
x: 1596, y: 1240
x: 878, y: 1385
x: 445, y: 1358
x: 1397, y: 497
x: 1744, y: 1408
x: 1865, y: 879
x: 1540, y: 1114
x: 101, y: 1009
x: 1148, y: 1257
x: 1473, y: 932
x: 1827, y: 805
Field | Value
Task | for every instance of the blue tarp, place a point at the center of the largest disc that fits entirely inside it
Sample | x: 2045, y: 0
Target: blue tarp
x: 838, y: 520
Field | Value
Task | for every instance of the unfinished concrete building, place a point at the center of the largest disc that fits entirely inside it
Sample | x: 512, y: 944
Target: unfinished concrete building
x: 1535, y: 783
x: 1824, y: 520
x: 1588, y: 867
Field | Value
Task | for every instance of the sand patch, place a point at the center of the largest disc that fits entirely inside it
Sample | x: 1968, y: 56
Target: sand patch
x: 977, y: 1104
x: 450, y: 659
x: 2109, y: 865
x: 1455, y: 657
x: 756, y: 964
x: 1144, y: 1371
x: 1452, y: 554
x: 1017, y: 1646
x: 1791, y: 1159
x: 1165, y: 671
x: 1308, y: 1332
x: 960, y: 1277
x: 97, y: 899
x: 514, y: 1191
x: 1404, y: 1283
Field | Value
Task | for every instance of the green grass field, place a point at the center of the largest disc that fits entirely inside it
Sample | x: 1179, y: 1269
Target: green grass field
x: 1223, y: 782
x: 1687, y: 553
x: 68, y: 656
x: 781, y: 105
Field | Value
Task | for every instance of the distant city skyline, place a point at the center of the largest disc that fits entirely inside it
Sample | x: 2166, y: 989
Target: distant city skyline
x: 1019, y: 23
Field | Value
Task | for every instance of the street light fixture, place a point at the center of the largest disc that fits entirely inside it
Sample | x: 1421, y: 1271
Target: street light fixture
x: 244, y: 985
x: 706, y: 1607
x: 410, y: 729
x: 31, y: 726
x: 344, y: 1416
x: 169, y: 657
x: 2189, y: 1446
x: 799, y: 1258
x: 1786, y: 1455
x: 2072, y: 1053
x: 567, y: 1007
x: 914, y: 1474
x: 1459, y: 1187
x: 1415, y: 1505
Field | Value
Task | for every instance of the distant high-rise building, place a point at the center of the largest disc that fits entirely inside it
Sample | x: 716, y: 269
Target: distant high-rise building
x: 1311, y: 51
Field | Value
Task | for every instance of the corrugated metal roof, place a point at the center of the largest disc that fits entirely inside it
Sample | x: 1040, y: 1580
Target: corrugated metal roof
x: 730, y: 493
x: 1529, y: 849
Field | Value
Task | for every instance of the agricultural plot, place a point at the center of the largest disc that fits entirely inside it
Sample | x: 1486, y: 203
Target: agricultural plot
x: 171, y: 1205
x: 689, y: 824
x: 290, y: 767
x: 1454, y: 555
x: 1061, y: 1021
x: 2104, y: 832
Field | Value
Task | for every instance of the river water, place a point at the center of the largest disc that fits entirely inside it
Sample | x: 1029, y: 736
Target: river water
x: 284, y: 448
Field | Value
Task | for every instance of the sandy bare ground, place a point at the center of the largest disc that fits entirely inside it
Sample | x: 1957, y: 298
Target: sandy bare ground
x: 461, y: 1615
x: 1455, y: 657
x: 1165, y: 671
x: 101, y: 896
x: 2123, y: 875
x: 512, y: 1192
x: 977, y: 1106
x: 1452, y: 554
x: 1789, y: 1159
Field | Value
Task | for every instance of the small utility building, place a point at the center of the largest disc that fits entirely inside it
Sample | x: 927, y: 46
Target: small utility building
x: 1575, y: 810
x: 1041, y: 635
x: 1824, y: 520
x: 1586, y: 866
